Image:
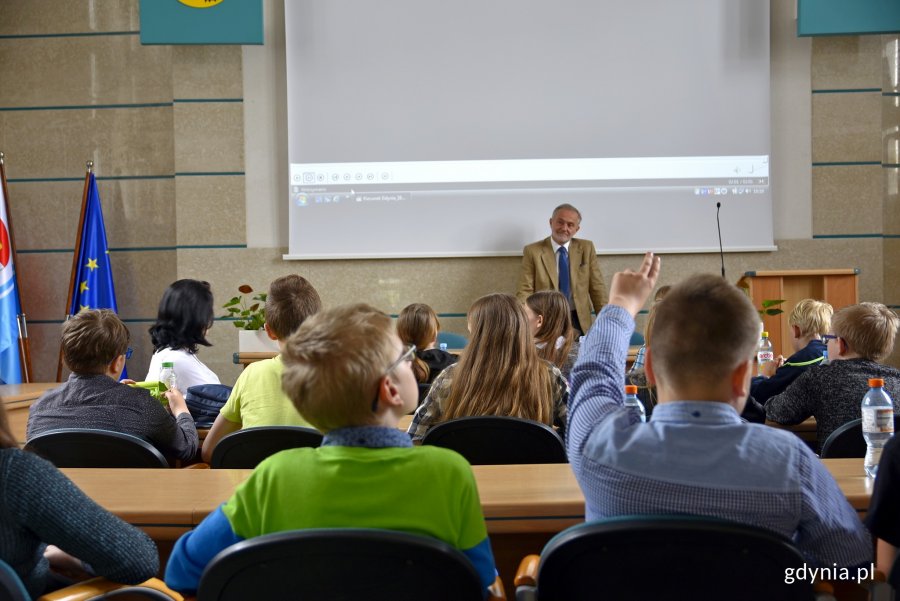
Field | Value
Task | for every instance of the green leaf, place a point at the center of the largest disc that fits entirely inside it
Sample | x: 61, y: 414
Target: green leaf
x: 239, y: 324
x: 771, y: 303
x: 234, y: 300
x: 774, y: 311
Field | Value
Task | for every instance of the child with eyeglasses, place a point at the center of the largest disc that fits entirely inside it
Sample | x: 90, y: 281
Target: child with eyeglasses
x: 95, y: 346
x: 861, y: 337
x: 347, y: 373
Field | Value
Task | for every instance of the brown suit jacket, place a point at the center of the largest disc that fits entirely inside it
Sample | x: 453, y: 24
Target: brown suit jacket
x: 539, y: 272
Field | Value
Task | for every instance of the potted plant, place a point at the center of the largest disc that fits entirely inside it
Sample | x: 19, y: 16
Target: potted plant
x: 249, y: 319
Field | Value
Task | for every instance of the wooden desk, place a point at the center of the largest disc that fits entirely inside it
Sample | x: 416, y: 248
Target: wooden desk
x: 807, y: 430
x: 524, y: 505
x: 514, y: 498
x: 17, y: 400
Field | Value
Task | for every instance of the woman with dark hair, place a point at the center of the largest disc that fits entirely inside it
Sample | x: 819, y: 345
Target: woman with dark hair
x: 185, y: 315
x: 44, y: 518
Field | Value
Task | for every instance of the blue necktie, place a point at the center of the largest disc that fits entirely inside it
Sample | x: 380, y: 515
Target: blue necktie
x: 564, y: 272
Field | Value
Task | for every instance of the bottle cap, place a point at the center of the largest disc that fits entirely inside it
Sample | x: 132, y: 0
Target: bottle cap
x: 168, y: 364
x: 629, y: 389
x: 765, y: 334
x: 876, y: 382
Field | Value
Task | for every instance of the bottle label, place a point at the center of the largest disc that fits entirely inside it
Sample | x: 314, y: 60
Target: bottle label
x: 765, y: 356
x: 878, y: 419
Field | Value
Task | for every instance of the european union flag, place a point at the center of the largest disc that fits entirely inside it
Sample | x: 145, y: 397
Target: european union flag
x: 93, y: 278
x: 10, y: 358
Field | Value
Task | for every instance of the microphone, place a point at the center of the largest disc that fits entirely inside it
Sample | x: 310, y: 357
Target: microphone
x: 719, y: 228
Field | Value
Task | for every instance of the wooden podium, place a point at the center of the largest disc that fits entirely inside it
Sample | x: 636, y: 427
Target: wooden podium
x: 838, y: 287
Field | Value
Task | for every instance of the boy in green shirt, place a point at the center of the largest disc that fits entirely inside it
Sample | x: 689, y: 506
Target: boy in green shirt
x: 257, y: 398
x: 348, y: 374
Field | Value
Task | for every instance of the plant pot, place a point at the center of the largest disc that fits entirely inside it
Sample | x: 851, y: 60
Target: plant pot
x: 256, y: 341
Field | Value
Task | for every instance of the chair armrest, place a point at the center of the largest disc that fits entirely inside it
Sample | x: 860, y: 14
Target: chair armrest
x: 97, y: 586
x: 526, y: 575
x: 496, y: 592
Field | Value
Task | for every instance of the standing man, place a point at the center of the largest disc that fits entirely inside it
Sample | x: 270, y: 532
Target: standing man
x: 567, y: 264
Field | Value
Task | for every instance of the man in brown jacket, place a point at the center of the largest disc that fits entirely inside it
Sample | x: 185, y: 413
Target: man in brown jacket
x: 561, y: 262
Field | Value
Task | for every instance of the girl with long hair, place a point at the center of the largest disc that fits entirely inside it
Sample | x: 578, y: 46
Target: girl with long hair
x: 499, y: 373
x: 418, y: 324
x: 551, y: 323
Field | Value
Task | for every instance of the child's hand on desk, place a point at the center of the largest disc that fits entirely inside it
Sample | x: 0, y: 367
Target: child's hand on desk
x: 66, y: 565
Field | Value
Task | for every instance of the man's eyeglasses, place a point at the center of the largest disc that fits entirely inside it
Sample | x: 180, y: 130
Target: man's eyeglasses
x: 827, y: 337
x: 406, y: 355
x: 128, y: 352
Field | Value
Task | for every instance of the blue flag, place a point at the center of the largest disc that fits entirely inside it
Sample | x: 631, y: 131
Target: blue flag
x: 10, y: 359
x: 93, y: 277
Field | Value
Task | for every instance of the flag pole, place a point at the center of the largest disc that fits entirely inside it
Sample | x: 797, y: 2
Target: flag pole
x: 24, y: 343
x: 87, y: 183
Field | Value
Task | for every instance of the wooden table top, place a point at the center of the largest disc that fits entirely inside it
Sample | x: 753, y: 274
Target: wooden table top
x: 18, y: 393
x: 514, y: 498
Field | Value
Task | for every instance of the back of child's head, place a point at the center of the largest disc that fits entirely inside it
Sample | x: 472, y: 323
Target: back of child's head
x: 418, y: 324
x: 291, y: 300
x: 92, y: 339
x: 868, y: 329
x: 553, y: 307
x: 185, y: 314
x: 813, y: 317
x: 661, y: 293
x: 333, y: 363
x: 499, y: 371
x: 703, y: 330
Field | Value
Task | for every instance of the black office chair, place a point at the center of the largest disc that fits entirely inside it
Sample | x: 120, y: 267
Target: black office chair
x: 80, y: 447
x: 246, y: 448
x: 493, y: 440
x: 663, y: 557
x: 11, y: 587
x: 338, y: 564
x: 847, y: 441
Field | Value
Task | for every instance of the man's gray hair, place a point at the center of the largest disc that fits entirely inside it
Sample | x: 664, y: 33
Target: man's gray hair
x: 566, y: 207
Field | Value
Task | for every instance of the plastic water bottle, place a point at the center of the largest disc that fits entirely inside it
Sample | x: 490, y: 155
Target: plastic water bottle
x: 824, y: 357
x: 764, y: 353
x: 443, y: 346
x: 877, y: 423
x: 633, y: 403
x: 167, y: 377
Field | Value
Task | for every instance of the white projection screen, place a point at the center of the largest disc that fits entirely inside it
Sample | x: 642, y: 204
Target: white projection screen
x: 420, y: 128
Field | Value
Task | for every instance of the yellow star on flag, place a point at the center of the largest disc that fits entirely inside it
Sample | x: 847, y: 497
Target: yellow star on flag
x: 82, y: 286
x: 83, y: 307
x: 92, y: 264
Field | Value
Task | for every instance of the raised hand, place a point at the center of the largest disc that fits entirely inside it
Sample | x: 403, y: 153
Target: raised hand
x: 630, y: 289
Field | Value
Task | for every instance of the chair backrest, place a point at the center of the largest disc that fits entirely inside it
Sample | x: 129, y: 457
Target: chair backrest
x: 11, y: 587
x: 246, y: 448
x: 493, y: 440
x: 847, y: 441
x: 669, y: 557
x: 80, y: 447
x: 336, y: 564
x: 453, y: 341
